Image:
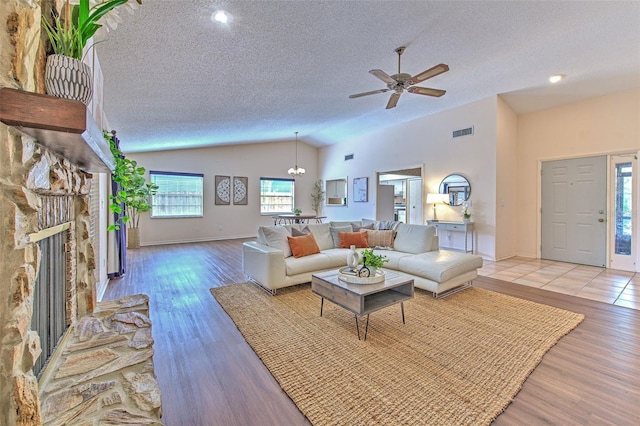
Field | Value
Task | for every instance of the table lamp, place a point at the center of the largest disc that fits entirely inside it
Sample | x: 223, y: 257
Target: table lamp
x: 435, y: 199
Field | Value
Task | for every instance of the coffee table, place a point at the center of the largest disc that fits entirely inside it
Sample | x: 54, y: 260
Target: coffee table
x: 363, y: 299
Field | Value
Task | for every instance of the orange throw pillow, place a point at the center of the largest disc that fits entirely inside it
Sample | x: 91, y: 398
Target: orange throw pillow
x: 303, y: 246
x: 348, y: 239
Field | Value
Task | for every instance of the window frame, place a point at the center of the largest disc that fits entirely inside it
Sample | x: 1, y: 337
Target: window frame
x: 293, y: 201
x: 176, y: 216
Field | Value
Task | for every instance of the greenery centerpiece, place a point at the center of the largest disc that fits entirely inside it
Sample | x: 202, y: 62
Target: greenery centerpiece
x: 297, y: 211
x: 66, y: 76
x: 133, y: 196
x: 373, y: 261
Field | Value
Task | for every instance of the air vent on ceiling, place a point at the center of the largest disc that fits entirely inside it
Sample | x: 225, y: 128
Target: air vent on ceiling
x: 348, y: 157
x: 462, y: 132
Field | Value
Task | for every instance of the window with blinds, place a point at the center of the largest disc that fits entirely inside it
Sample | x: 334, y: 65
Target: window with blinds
x: 276, y: 195
x: 178, y: 195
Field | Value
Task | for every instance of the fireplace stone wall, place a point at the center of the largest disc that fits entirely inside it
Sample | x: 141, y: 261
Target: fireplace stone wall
x: 40, y: 189
x: 30, y: 177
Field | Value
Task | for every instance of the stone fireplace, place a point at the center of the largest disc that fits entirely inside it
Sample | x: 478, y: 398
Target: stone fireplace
x: 102, y: 370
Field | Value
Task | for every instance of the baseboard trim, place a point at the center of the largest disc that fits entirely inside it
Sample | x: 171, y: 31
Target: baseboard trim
x: 197, y: 240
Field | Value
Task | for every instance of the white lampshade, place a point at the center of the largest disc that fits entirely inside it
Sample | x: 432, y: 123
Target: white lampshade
x: 297, y: 171
x: 436, y: 198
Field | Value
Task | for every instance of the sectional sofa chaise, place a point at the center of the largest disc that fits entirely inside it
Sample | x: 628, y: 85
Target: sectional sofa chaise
x: 411, y: 249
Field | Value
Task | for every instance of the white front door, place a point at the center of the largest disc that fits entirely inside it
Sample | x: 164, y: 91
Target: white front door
x: 622, y: 244
x: 574, y: 206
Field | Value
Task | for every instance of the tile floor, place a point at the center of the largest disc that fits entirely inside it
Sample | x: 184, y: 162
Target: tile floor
x: 605, y: 285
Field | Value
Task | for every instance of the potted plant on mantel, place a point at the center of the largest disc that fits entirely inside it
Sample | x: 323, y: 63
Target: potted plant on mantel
x: 66, y: 76
x: 135, y: 194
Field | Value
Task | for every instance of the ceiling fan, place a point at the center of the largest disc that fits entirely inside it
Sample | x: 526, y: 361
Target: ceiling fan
x: 403, y: 81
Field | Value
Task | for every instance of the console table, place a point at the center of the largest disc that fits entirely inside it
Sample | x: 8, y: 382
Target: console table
x: 466, y: 227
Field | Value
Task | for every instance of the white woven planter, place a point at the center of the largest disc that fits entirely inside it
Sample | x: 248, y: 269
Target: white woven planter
x: 68, y: 78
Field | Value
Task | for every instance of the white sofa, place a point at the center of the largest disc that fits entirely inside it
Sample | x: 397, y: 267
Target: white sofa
x: 415, y: 252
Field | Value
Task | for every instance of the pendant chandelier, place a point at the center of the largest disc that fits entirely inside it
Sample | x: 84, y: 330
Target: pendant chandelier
x: 296, y: 171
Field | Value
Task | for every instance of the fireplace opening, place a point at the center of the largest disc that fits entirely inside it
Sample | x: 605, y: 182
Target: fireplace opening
x: 50, y: 319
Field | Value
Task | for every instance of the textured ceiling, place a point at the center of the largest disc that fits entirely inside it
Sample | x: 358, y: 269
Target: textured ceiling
x: 174, y: 79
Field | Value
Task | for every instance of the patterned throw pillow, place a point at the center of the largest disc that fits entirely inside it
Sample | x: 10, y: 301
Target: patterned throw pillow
x: 303, y: 246
x: 387, y: 224
x: 348, y: 239
x: 381, y: 238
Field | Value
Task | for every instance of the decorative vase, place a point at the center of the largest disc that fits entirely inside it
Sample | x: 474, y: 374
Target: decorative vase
x: 69, y: 78
x: 353, y: 258
x: 133, y: 238
x: 466, y: 219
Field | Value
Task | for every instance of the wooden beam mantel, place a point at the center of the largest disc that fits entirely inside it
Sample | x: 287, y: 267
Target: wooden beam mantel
x: 64, y: 126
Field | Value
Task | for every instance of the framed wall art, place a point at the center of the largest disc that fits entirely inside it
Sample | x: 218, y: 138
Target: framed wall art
x: 223, y: 190
x: 240, y: 190
x: 361, y: 189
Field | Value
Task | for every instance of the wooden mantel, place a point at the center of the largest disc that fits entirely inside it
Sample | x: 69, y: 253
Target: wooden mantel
x: 64, y: 126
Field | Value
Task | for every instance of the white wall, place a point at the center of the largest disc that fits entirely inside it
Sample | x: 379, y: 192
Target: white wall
x: 426, y: 142
x: 506, y: 180
x: 253, y: 161
x: 604, y: 125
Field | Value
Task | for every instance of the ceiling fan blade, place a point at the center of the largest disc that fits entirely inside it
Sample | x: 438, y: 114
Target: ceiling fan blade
x: 393, y: 100
x: 383, y: 76
x: 426, y: 91
x: 373, y: 92
x: 431, y: 72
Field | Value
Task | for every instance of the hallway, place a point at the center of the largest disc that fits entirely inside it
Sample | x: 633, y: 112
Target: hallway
x: 619, y: 288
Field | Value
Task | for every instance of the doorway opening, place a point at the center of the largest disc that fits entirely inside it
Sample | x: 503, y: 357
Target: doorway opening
x: 405, y: 203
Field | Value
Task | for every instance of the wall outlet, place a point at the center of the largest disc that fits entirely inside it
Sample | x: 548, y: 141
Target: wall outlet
x: 219, y: 227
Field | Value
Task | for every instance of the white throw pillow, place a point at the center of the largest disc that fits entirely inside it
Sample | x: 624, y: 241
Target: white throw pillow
x: 414, y: 238
x: 276, y: 237
x: 322, y: 235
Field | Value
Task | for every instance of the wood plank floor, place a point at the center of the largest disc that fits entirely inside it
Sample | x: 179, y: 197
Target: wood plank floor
x: 210, y: 376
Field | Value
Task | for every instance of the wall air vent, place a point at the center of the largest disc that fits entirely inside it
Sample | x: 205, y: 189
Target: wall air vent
x: 348, y: 157
x: 462, y: 132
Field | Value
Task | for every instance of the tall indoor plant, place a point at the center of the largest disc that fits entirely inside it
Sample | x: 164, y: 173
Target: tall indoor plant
x: 66, y: 76
x: 317, y: 196
x: 134, y: 194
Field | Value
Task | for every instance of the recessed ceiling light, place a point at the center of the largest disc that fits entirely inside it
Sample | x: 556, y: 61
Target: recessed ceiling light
x: 220, y: 16
x: 556, y: 78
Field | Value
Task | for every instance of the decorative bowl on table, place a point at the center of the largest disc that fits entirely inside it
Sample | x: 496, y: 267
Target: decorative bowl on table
x: 351, y: 276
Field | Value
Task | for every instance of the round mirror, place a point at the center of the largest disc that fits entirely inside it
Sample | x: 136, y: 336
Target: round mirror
x: 457, y: 187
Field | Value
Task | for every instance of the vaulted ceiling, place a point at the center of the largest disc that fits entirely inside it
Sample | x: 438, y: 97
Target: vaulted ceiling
x: 173, y: 78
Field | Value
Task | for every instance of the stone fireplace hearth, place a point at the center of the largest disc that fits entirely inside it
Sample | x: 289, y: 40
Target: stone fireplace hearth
x: 103, y: 370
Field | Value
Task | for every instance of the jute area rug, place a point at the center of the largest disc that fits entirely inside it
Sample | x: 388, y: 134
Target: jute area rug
x: 456, y: 361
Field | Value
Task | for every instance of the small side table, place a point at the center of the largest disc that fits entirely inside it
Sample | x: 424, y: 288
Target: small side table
x: 466, y: 227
